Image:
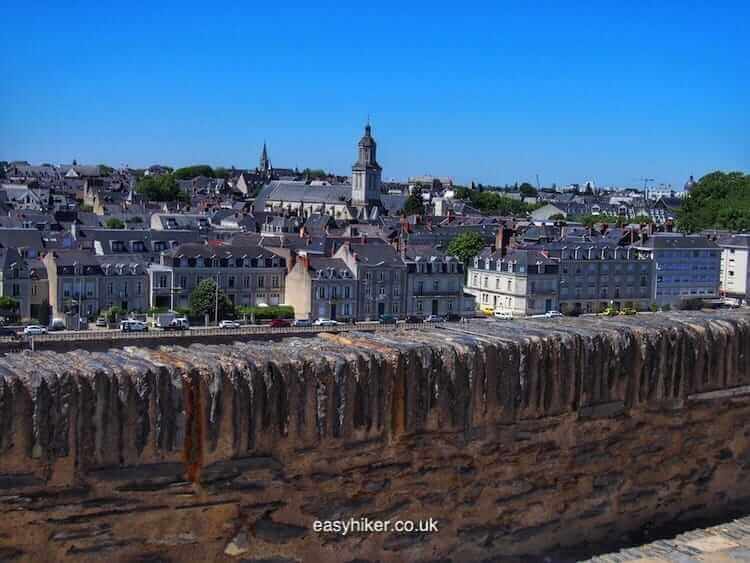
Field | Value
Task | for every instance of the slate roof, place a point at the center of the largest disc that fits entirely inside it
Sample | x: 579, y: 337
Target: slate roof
x: 666, y: 241
x: 299, y: 191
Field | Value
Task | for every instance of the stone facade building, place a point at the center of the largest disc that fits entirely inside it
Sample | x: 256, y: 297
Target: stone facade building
x: 382, y: 278
x: 15, y: 281
x: 434, y: 282
x: 319, y: 287
x: 521, y: 283
x: 248, y: 275
x: 74, y: 279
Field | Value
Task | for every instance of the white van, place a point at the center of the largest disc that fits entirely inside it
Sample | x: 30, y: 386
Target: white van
x: 503, y: 315
x: 133, y: 326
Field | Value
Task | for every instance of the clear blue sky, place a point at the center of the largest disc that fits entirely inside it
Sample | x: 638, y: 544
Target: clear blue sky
x: 494, y: 92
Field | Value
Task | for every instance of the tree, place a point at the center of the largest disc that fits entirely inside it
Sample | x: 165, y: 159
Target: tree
x: 557, y: 217
x: 114, y: 223
x: 414, y: 204
x: 160, y: 188
x: 718, y: 201
x: 315, y: 173
x: 466, y: 246
x: 105, y: 170
x: 221, y: 172
x: 527, y: 190
x: 190, y: 172
x: 203, y: 301
x: 114, y: 313
x: 493, y: 202
x: 9, y: 306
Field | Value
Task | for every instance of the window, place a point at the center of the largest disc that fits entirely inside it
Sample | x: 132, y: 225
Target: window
x: 347, y: 292
x: 381, y: 290
x: 261, y: 282
x: 275, y: 281
x: 436, y: 285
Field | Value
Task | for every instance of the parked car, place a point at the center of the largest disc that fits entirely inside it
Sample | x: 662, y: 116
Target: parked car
x: 434, y: 319
x: 414, y: 319
x: 5, y: 331
x: 387, y: 320
x: 453, y: 317
x: 133, y: 326
x: 303, y: 322
x: 34, y: 330
x: 57, y: 324
x: 503, y: 316
x: 178, y: 323
x: 229, y: 324
x: 101, y: 321
x: 279, y: 323
x: 326, y: 322
x: 553, y: 314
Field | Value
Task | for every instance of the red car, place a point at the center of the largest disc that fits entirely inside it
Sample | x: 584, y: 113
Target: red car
x: 279, y: 323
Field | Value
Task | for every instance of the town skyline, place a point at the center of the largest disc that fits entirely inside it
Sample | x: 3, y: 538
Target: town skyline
x: 612, y: 94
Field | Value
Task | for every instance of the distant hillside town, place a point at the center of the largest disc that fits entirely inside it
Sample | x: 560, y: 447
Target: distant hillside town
x: 84, y: 242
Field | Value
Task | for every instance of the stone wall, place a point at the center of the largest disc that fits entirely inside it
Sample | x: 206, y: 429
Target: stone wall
x: 521, y: 438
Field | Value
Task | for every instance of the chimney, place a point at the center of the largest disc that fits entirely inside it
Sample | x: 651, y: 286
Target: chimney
x: 304, y: 259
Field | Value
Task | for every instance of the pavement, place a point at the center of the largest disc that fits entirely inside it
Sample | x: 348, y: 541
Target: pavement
x: 724, y: 543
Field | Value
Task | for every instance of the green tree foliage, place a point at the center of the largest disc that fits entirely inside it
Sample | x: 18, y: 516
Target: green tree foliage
x: 160, y: 188
x: 466, y: 246
x: 190, y: 172
x: 527, y: 190
x: 493, y: 202
x: 114, y: 223
x: 315, y: 173
x: 719, y: 200
x: 221, y: 172
x: 414, y: 204
x: 114, y: 313
x: 203, y: 300
x: 8, y: 305
x: 557, y: 217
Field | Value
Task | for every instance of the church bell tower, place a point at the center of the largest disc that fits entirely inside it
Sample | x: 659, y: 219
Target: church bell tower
x: 366, y: 172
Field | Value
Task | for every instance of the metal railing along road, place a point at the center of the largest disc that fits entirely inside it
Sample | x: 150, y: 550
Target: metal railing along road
x: 100, y: 335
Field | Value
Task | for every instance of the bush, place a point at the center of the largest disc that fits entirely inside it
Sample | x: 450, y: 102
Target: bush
x: 268, y: 313
x: 654, y: 308
x: 666, y: 307
x: 114, y: 223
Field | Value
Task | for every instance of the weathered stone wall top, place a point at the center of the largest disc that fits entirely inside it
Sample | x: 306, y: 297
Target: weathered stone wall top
x: 66, y: 414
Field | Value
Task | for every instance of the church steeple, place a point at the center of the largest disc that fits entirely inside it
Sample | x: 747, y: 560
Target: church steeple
x: 366, y: 171
x: 265, y: 165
